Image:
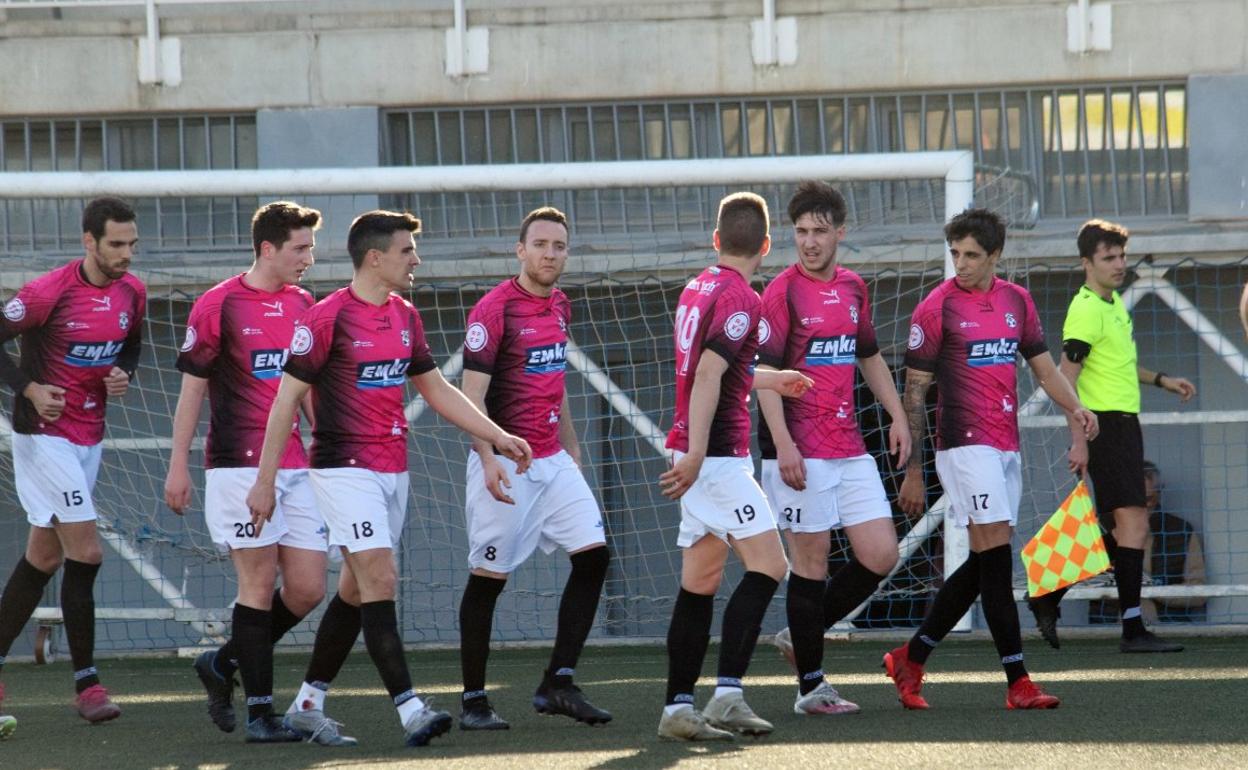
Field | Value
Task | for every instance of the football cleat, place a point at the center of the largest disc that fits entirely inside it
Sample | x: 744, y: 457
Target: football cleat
x: 479, y: 714
x: 907, y: 676
x: 269, y: 729
x: 314, y: 727
x: 8, y: 723
x: 220, y: 692
x: 1047, y: 612
x: 94, y: 705
x: 687, y: 724
x: 1148, y: 642
x: 1026, y: 694
x: 824, y: 699
x: 730, y: 712
x: 784, y: 643
x: 425, y: 725
x: 569, y: 702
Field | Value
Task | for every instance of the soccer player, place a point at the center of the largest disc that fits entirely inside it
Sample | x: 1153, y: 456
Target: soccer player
x: 721, y: 505
x: 237, y: 339
x: 966, y: 334
x: 353, y: 351
x: 816, y: 470
x: 1099, y: 358
x: 81, y: 328
x: 514, y: 358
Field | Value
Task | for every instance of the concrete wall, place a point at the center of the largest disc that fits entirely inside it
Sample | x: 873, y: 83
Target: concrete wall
x: 384, y: 52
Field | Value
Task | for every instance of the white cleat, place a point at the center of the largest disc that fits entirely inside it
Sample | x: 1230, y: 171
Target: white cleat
x: 687, y: 724
x: 824, y: 699
x: 315, y: 727
x: 731, y: 712
x: 784, y: 643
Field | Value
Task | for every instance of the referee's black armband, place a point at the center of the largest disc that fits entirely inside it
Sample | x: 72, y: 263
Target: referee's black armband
x: 1076, y: 350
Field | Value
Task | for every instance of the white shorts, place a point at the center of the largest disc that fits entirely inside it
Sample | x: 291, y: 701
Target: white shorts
x: 296, y: 522
x: 363, y: 509
x: 983, y: 483
x: 554, y: 509
x: 725, y: 500
x: 838, y: 493
x: 54, y: 478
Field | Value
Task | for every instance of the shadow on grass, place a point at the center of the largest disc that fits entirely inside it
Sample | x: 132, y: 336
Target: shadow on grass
x: 1184, y: 700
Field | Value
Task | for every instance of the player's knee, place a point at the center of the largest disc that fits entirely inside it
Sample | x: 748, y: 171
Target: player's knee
x: 45, y: 562
x: 592, y: 561
x: 879, y: 562
x: 810, y: 566
x: 302, y: 597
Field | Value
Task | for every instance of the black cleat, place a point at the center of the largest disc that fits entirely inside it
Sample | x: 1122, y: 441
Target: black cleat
x: 220, y: 692
x: 1148, y: 642
x: 479, y: 714
x: 270, y: 729
x: 1047, y: 612
x: 570, y: 702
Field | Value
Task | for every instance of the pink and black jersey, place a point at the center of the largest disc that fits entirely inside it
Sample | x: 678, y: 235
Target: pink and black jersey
x: 72, y: 335
x: 357, y: 357
x: 238, y: 338
x: 718, y: 311
x: 971, y: 340
x: 821, y: 329
x: 521, y: 341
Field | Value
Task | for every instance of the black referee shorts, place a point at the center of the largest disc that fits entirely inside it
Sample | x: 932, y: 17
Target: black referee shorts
x: 1116, y: 463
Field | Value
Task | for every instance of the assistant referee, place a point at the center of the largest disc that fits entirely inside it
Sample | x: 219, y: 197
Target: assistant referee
x: 1099, y: 358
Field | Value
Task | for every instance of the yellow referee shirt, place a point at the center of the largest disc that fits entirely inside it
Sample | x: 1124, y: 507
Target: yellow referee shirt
x: 1109, y: 381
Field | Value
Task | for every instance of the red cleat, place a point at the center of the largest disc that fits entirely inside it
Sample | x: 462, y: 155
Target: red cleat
x: 94, y: 706
x: 1026, y: 694
x: 907, y: 675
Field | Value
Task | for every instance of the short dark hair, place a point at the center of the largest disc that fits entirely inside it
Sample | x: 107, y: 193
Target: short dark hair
x: 822, y: 200
x: 273, y: 223
x: 101, y: 211
x: 1097, y: 231
x: 547, y: 213
x: 374, y: 229
x: 986, y: 227
x: 743, y: 224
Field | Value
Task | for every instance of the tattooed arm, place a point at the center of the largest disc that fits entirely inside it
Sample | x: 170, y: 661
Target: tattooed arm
x: 913, y: 494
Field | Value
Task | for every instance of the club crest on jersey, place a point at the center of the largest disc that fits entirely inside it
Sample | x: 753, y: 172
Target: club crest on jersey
x: 916, y: 337
x: 737, y: 325
x: 853, y: 313
x: 1010, y: 320
x: 991, y: 352
x: 764, y: 331
x: 406, y: 336
x: 477, y: 337
x: 546, y: 359
x: 381, y: 374
x: 123, y: 320
x: 15, y: 309
x: 301, y: 340
x: 93, y: 353
x: 188, y: 342
x: 831, y: 351
x: 267, y: 364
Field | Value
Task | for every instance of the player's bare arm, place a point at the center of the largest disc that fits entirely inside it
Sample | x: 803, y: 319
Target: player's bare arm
x: 880, y: 380
x: 703, y: 400
x: 788, y: 459
x: 912, y: 497
x: 787, y: 382
x: 262, y: 499
x: 185, y: 420
x: 1082, y: 420
x: 1077, y: 456
x: 476, y: 385
x: 1180, y: 386
x: 455, y: 407
x: 567, y: 431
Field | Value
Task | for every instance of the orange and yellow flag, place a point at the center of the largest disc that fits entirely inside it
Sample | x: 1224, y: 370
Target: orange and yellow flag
x: 1068, y: 548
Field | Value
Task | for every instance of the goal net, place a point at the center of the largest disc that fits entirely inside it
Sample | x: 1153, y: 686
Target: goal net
x: 639, y: 232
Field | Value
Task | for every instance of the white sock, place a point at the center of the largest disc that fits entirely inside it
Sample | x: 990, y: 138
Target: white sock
x: 673, y: 708
x: 310, y: 698
x: 725, y: 691
x: 409, y: 707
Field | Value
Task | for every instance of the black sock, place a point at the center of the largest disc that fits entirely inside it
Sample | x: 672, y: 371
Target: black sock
x: 476, y: 619
x: 996, y: 596
x: 1129, y: 570
x: 577, y: 610
x: 385, y: 647
x: 852, y: 585
x: 18, y: 602
x: 743, y: 619
x: 952, y: 601
x: 687, y: 637
x: 803, y: 607
x: 78, y: 610
x: 335, y: 636
x: 283, y: 620
x: 251, y: 632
